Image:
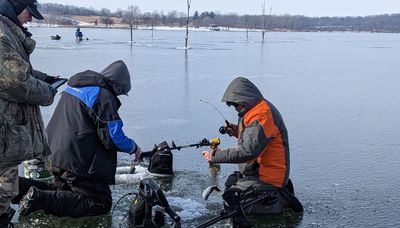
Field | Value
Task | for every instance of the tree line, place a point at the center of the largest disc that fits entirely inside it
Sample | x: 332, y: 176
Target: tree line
x: 62, y: 14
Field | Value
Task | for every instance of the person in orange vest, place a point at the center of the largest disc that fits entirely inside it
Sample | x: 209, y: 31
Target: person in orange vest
x: 263, y: 146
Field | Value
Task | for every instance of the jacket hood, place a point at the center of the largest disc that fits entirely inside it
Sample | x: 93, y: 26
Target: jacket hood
x: 85, y: 78
x: 116, y: 76
x: 242, y: 91
x: 7, y: 10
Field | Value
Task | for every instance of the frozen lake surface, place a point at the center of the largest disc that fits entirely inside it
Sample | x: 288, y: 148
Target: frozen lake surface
x: 337, y: 92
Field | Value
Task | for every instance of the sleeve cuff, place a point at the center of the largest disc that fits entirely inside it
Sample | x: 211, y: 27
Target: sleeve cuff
x: 133, y: 149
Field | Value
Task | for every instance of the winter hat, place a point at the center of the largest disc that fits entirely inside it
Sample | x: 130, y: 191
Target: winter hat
x: 31, y: 5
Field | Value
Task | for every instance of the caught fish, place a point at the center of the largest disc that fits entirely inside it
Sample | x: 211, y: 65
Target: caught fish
x: 209, y: 190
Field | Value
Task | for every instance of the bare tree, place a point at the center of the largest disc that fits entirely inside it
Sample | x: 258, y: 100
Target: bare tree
x: 119, y: 13
x: 265, y: 21
x: 172, y: 17
x: 131, y: 16
x: 106, y: 19
x: 269, y: 17
x: 189, y: 2
x: 247, y: 27
x: 155, y: 18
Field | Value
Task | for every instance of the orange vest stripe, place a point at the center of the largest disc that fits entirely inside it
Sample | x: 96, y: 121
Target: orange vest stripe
x: 272, y: 161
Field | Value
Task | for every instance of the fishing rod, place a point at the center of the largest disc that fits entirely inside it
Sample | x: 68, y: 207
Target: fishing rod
x: 213, y: 143
x: 216, y: 109
x: 223, y: 130
x: 161, y: 160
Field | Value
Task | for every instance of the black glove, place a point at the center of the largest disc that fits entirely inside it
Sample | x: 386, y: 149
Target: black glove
x: 231, y: 129
x: 50, y: 79
x: 233, y: 179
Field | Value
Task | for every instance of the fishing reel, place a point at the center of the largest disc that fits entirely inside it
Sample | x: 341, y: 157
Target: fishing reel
x: 227, y: 129
x: 223, y: 130
x: 214, y: 143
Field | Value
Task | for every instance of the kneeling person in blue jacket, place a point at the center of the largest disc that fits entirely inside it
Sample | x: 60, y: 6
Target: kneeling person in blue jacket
x: 85, y: 133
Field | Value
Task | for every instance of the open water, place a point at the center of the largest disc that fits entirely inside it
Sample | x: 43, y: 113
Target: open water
x: 337, y: 92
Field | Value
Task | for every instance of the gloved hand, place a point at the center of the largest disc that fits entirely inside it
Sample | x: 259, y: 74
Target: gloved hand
x: 138, y: 152
x: 51, y: 79
x: 231, y: 129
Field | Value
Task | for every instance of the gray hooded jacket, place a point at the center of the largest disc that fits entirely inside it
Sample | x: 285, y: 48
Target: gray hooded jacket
x: 262, y: 132
x: 242, y: 91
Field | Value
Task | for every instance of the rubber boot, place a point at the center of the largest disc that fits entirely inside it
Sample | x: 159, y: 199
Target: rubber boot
x: 5, y: 218
x: 31, y: 202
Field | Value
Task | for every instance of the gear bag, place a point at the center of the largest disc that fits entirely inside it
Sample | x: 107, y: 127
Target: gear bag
x: 161, y: 161
x: 249, y: 187
x: 141, y: 209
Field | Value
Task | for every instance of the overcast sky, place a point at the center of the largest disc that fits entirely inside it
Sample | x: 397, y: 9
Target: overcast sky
x: 294, y: 7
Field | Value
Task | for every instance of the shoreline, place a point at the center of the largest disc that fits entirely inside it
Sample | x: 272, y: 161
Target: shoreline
x: 192, y: 29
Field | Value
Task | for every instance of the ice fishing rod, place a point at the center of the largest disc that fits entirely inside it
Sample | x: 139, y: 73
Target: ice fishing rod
x: 222, y: 129
x: 215, y: 108
x: 213, y: 143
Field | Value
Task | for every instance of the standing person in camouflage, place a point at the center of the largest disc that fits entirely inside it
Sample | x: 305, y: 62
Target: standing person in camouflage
x: 22, y: 91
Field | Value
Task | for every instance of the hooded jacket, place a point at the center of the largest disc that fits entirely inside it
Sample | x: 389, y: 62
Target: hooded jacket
x: 85, y: 131
x: 22, y: 91
x: 262, y: 140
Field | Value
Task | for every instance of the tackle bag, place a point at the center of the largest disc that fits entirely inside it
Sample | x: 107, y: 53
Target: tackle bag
x: 141, y: 214
x: 161, y: 161
x: 250, y: 187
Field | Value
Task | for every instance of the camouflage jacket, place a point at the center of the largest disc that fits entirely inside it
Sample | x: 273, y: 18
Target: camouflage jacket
x: 22, y: 90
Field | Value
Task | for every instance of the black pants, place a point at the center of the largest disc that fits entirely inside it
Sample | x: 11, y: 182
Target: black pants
x: 65, y: 201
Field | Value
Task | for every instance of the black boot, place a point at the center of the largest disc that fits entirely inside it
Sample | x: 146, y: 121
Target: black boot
x: 5, y: 218
x: 30, y: 202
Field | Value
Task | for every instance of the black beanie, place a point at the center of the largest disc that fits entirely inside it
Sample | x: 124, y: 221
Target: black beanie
x: 18, y: 7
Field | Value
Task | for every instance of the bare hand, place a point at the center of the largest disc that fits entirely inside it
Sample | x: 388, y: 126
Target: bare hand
x: 207, y: 155
x: 138, y: 152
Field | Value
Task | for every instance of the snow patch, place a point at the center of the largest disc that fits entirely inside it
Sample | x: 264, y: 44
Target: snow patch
x: 186, y: 208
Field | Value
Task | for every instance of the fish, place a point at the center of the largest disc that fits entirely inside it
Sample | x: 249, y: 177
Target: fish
x: 209, y: 190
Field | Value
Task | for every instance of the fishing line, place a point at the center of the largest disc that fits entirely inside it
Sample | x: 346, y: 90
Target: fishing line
x: 215, y: 108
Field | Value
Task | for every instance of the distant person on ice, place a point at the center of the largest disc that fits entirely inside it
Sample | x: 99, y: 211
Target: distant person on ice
x: 22, y: 91
x: 85, y: 134
x: 78, y: 34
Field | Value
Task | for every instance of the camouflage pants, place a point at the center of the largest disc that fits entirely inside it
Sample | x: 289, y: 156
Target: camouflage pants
x: 8, y: 185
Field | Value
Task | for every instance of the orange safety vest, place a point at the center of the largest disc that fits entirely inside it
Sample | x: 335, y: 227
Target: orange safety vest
x: 272, y: 160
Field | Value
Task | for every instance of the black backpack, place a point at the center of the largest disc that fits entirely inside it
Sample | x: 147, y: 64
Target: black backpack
x: 141, y: 209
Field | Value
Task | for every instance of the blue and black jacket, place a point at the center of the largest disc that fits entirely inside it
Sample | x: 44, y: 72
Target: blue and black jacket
x: 85, y: 131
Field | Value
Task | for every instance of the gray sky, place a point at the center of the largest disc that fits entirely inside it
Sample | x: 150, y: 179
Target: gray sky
x: 294, y: 7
